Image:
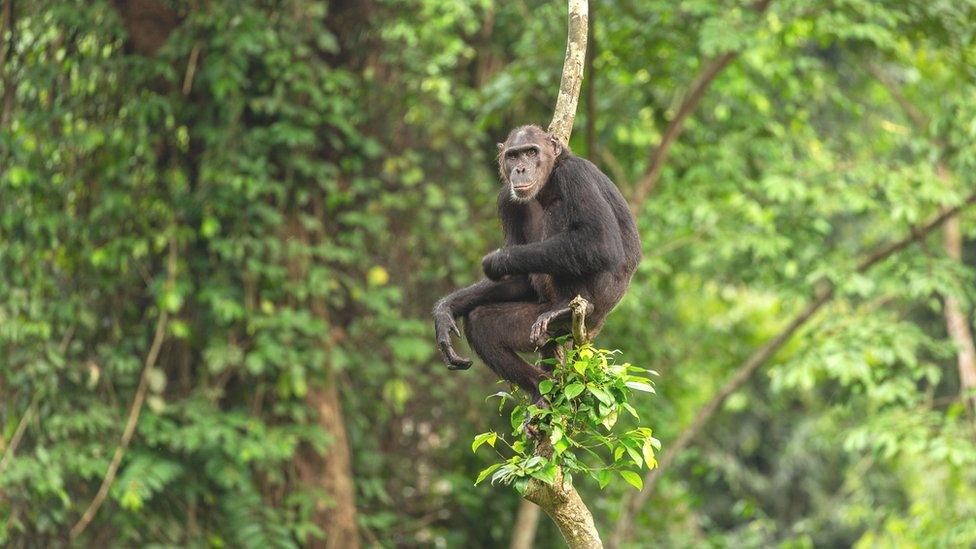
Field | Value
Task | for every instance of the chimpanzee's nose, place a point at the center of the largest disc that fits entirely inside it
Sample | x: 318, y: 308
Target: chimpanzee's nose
x: 520, y: 169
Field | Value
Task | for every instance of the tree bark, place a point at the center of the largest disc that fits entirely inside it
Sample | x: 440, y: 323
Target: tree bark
x: 569, y: 85
x: 957, y: 322
x: 331, y: 472
x: 563, y: 504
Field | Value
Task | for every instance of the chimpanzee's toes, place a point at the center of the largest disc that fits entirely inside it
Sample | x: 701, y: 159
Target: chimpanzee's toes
x: 537, y: 335
x: 459, y: 364
x: 452, y: 359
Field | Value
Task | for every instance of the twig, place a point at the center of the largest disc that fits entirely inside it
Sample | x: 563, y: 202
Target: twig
x: 191, y: 69
x: 134, y: 410
x: 748, y: 368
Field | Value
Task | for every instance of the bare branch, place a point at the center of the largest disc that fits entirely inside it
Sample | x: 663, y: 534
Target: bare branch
x: 569, y: 86
x: 134, y: 410
x: 652, y: 174
x: 8, y: 454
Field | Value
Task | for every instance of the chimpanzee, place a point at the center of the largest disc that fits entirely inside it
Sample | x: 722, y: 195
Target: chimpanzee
x: 568, y: 231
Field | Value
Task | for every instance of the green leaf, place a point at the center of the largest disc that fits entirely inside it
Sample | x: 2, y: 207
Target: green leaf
x: 630, y: 409
x: 635, y: 456
x: 546, y: 386
x: 557, y: 434
x: 603, y: 477
x: 573, y: 390
x: 648, y: 453
x: 601, y: 394
x: 640, y: 386
x: 488, y: 437
x: 484, y: 474
x: 546, y: 474
x: 633, y: 479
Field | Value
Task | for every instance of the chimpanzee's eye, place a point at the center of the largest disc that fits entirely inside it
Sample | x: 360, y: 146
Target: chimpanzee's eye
x: 531, y: 153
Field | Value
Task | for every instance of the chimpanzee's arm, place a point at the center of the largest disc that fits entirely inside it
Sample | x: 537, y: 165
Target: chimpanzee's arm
x: 590, y: 244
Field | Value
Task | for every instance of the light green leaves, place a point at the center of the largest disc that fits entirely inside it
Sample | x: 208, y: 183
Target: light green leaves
x: 632, y: 479
x: 490, y: 437
x: 573, y: 390
x: 584, y: 395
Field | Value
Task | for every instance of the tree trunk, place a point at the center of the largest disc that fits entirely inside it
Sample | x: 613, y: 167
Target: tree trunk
x: 563, y: 504
x: 331, y: 472
x: 526, y: 524
x: 957, y: 321
x: 567, y: 510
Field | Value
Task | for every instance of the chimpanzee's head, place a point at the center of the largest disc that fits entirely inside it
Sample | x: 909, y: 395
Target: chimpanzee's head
x: 526, y: 159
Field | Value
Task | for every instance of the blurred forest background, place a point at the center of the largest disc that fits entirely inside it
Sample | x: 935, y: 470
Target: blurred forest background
x: 223, y: 225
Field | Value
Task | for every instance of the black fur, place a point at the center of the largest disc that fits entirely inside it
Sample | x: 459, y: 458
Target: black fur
x: 575, y: 236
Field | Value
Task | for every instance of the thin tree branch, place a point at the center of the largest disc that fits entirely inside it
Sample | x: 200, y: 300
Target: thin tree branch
x: 191, y: 69
x: 8, y: 454
x: 134, y: 410
x: 752, y: 364
x: 957, y: 321
x: 913, y: 114
x: 646, y: 184
x: 9, y: 25
x: 569, y: 85
x: 591, y: 87
x: 613, y: 164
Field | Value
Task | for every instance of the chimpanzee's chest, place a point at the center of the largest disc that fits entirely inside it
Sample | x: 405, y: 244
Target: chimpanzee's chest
x: 544, y: 223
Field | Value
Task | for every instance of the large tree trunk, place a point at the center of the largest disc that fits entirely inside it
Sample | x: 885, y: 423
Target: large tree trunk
x: 331, y: 472
x: 526, y: 524
x: 957, y: 321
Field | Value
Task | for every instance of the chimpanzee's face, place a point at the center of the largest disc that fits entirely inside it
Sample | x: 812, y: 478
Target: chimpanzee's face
x: 525, y: 161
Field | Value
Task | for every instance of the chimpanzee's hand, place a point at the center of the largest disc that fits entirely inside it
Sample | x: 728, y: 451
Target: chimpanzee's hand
x: 443, y: 326
x: 493, y: 264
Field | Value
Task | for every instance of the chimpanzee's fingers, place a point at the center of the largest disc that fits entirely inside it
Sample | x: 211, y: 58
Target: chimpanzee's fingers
x: 453, y: 327
x: 452, y: 359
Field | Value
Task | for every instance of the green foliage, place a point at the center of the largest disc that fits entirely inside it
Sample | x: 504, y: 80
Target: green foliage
x: 583, y: 399
x: 327, y: 175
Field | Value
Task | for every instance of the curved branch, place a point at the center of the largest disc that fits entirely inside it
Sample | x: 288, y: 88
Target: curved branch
x: 649, y: 179
x: 569, y: 85
x: 134, y: 410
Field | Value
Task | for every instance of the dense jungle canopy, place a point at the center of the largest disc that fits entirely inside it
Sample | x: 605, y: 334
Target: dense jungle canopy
x: 223, y: 225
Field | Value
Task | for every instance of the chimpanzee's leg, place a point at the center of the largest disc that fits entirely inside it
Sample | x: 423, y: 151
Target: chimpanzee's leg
x: 498, y: 332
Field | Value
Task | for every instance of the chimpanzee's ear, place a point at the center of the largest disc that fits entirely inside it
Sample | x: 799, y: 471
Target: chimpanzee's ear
x: 500, y: 146
x: 557, y: 146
